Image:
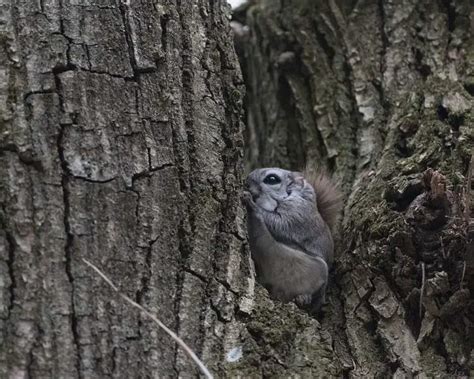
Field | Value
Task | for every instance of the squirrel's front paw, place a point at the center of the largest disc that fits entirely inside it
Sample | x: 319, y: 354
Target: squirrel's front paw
x: 247, y: 199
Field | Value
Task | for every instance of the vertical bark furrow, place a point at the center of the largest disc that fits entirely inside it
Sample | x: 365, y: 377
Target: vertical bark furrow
x: 129, y: 35
x: 68, y: 245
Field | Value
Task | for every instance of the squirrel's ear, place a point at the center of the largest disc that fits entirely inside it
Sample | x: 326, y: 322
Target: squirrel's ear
x: 298, y: 178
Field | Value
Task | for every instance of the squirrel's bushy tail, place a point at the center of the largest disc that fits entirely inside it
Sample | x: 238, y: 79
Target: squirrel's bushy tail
x: 328, y: 195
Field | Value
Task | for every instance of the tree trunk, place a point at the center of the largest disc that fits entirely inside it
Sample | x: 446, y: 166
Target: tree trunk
x: 379, y: 93
x: 120, y: 142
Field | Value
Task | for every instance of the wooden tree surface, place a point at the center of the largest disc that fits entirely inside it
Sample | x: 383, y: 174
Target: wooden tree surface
x: 120, y: 142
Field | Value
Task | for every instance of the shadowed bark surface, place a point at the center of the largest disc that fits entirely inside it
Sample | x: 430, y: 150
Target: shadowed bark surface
x: 382, y: 94
x: 120, y: 142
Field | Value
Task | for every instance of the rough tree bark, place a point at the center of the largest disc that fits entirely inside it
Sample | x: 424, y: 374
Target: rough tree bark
x: 120, y: 142
x: 379, y: 92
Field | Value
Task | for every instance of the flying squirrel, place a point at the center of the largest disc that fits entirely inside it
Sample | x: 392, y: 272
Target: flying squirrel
x: 290, y: 216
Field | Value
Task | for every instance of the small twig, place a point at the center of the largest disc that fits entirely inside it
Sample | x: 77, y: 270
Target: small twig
x: 422, y: 290
x: 462, y: 276
x: 443, y: 249
x: 173, y: 335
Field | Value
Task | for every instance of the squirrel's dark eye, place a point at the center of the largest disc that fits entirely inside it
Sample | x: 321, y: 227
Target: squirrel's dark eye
x: 272, y: 179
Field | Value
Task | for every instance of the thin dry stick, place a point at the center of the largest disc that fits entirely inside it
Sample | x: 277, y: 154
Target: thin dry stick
x: 462, y: 276
x: 442, y: 248
x: 173, y: 335
x: 422, y: 286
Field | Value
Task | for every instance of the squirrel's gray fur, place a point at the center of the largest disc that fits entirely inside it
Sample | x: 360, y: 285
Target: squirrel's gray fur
x: 289, y: 227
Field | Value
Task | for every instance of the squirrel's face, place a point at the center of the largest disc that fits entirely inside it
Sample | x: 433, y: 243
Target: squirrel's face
x: 270, y: 186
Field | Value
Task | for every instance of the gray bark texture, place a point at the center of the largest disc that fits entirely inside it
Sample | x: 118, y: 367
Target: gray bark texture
x: 381, y: 94
x: 120, y: 142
